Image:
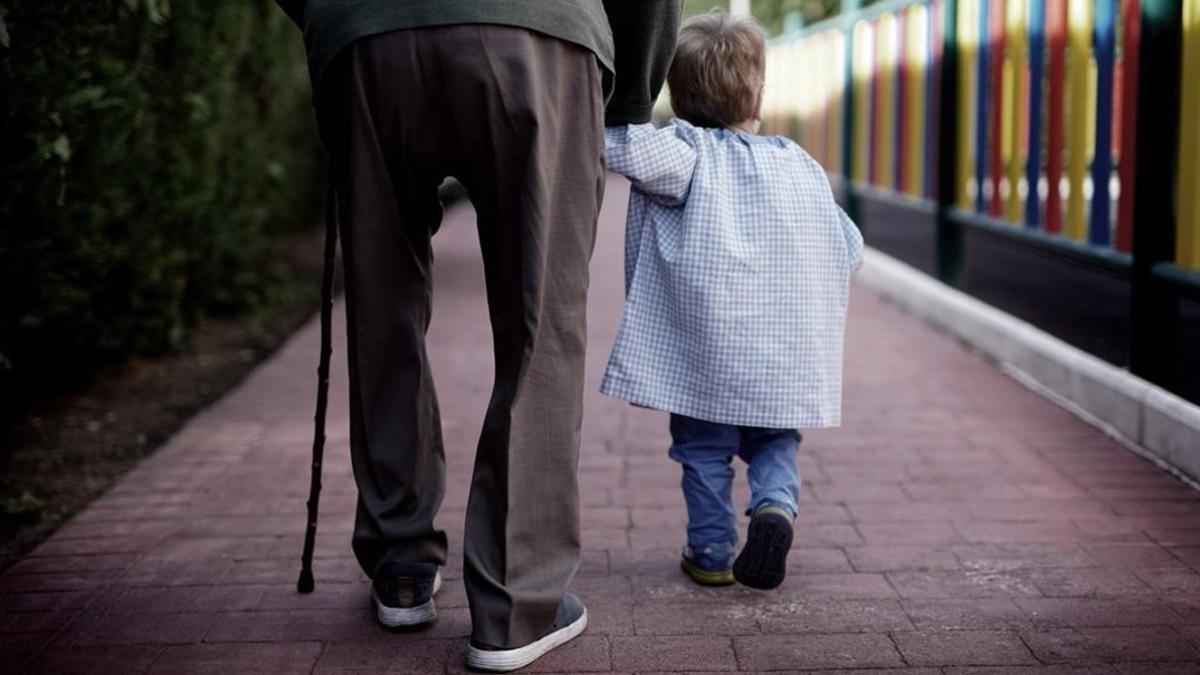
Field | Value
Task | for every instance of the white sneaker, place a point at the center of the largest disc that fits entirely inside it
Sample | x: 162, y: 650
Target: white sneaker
x: 571, y: 621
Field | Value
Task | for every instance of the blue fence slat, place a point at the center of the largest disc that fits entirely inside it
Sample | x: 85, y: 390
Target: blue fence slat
x: 981, y: 107
x: 1033, y: 170
x: 1100, y: 230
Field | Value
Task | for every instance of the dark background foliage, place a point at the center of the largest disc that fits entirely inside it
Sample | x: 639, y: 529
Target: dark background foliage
x: 150, y: 151
x: 771, y: 13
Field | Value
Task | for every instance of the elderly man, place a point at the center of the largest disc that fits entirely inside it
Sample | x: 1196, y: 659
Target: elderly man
x: 508, y: 97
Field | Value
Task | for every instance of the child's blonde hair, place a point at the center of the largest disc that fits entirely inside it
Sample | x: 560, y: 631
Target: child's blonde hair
x: 717, y: 76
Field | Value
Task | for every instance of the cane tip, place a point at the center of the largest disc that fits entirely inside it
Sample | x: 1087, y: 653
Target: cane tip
x: 306, y: 583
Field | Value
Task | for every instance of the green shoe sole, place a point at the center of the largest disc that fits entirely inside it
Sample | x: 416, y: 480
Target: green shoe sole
x: 704, y: 577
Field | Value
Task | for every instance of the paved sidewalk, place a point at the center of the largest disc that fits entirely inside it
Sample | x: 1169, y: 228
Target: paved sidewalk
x: 957, y: 520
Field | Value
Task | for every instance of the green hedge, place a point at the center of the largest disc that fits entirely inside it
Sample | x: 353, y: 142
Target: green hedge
x: 149, y: 152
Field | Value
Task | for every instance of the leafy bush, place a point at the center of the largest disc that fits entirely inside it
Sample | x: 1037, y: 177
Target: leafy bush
x: 149, y: 152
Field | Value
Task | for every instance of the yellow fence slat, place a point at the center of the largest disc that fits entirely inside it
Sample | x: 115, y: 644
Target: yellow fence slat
x: 885, y: 108
x: 770, y: 108
x: 1187, y: 232
x: 835, y: 51
x: 817, y: 133
x: 1014, y: 71
x: 1079, y: 106
x: 806, y: 97
x: 968, y: 57
x: 864, y: 54
x: 917, y: 58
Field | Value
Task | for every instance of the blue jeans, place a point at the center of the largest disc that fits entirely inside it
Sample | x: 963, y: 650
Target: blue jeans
x: 706, y: 451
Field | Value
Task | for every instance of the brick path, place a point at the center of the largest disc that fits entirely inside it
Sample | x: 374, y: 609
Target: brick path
x: 957, y: 521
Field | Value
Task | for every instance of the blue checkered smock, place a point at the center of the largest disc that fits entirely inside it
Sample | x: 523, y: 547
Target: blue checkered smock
x: 737, y: 275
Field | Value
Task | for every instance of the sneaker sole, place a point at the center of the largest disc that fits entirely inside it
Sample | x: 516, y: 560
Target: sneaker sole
x: 763, y: 560
x: 400, y: 617
x: 505, y: 660
x: 706, y: 578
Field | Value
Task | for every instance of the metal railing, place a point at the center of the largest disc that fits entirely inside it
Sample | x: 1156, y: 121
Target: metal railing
x: 1070, y: 126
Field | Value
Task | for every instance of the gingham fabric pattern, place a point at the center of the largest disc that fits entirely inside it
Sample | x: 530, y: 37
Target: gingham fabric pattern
x: 737, y: 275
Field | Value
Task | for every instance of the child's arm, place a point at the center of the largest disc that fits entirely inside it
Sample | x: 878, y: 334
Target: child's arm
x: 854, y: 240
x: 656, y: 161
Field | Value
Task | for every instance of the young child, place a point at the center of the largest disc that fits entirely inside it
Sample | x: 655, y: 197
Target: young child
x: 738, y: 265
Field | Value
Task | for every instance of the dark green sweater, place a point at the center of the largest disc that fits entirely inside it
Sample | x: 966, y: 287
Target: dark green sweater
x: 637, y: 59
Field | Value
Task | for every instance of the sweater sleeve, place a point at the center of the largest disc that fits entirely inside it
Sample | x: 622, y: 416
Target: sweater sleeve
x: 294, y: 9
x: 644, y: 33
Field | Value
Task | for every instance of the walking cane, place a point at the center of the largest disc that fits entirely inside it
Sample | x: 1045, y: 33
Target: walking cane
x: 306, y: 583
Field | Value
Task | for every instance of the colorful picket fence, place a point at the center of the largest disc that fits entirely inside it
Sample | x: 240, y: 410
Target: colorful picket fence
x: 1047, y: 104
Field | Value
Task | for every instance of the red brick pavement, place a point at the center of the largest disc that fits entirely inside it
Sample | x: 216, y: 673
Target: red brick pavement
x: 958, y: 523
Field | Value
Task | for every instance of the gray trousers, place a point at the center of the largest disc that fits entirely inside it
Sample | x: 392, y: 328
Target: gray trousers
x: 517, y: 118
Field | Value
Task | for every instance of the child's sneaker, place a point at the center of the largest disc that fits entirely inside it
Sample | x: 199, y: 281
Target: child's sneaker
x: 706, y: 568
x: 763, y: 560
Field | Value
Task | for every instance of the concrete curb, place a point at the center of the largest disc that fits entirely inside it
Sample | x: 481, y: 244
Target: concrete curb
x: 1149, y: 420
